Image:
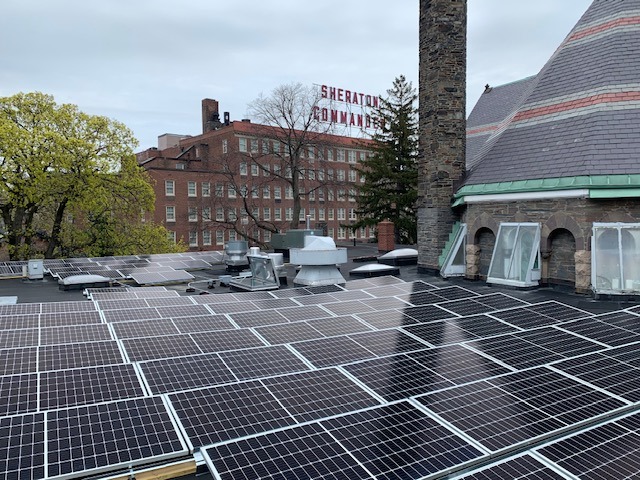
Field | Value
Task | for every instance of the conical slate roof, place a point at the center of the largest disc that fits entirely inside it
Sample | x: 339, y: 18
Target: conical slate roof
x: 579, y: 116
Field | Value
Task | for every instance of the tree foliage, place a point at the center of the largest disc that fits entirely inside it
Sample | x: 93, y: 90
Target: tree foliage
x: 63, y: 172
x: 390, y: 189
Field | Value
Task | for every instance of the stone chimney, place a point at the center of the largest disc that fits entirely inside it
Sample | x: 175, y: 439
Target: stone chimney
x: 210, y: 115
x: 442, y: 97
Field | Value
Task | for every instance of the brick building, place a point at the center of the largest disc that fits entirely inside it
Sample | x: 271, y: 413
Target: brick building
x: 227, y: 183
x: 549, y: 193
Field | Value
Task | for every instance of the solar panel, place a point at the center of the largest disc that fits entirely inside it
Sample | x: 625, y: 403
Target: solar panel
x: 601, y: 332
x: 414, y: 445
x: 326, y: 352
x: 221, y: 340
x: 151, y: 348
x: 385, y: 303
x: 145, y: 328
x: 307, y: 451
x: 60, y: 357
x: 69, y: 318
x: 397, y: 377
x: 18, y: 360
x: 387, y: 342
x: 440, y: 333
x: 482, y: 325
x: 18, y: 394
x: 622, y: 319
x: 11, y: 322
x: 19, y: 338
x: 319, y: 393
x: 215, y: 414
x: 260, y: 362
x: 74, y: 334
x: 273, y: 303
x: 558, y: 311
x: 348, y: 307
x: 182, y: 311
x: 517, y: 408
x: 257, y: 318
x: 288, y: 333
x: 129, y: 315
x: 82, y: 386
x: 309, y: 312
x: 427, y: 313
x: 64, y: 307
x: 316, y: 289
x: 22, y: 446
x: 343, y: 325
x: 202, y: 323
x: 318, y: 299
x: 523, y: 317
x: 465, y: 306
x: 92, y: 439
x: 166, y: 301
x: 500, y: 301
x: 611, y: 450
x: 525, y: 467
x: 184, y: 373
x: 387, y: 319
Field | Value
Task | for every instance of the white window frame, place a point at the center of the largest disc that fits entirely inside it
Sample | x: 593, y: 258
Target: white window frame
x: 193, y: 239
x: 170, y: 188
x: 205, y: 189
x: 192, y: 189
x: 242, y: 144
x: 450, y: 267
x: 612, y: 270
x: 193, y: 214
x: 518, y: 259
x: 206, y: 237
x: 170, y: 213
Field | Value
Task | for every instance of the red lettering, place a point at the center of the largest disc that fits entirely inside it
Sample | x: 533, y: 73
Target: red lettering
x: 361, y: 97
x: 359, y: 118
x: 340, y: 95
x: 343, y: 117
x: 375, y: 102
x: 325, y: 115
x: 323, y: 90
x: 355, y: 98
x: 334, y: 116
x: 315, y: 113
x: 332, y: 93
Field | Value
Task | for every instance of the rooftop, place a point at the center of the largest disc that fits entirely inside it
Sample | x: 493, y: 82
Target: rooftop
x: 312, y: 379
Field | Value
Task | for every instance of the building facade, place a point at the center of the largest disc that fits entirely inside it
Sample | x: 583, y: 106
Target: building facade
x: 236, y: 181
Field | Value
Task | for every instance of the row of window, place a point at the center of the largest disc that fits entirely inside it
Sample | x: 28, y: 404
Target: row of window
x: 230, y: 214
x: 205, y: 187
x: 274, y: 147
x: 206, y: 236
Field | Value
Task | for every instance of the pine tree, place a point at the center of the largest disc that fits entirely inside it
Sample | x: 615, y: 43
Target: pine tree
x: 390, y: 188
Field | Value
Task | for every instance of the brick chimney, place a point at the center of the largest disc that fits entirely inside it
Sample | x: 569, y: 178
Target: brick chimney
x: 210, y: 115
x: 442, y: 97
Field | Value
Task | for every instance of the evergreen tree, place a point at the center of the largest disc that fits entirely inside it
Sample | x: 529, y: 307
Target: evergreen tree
x: 390, y: 188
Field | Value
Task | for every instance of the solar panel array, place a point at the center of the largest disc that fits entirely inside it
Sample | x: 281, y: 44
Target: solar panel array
x: 143, y: 269
x: 378, y: 379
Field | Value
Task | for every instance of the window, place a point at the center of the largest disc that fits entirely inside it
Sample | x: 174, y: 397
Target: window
x: 242, y: 144
x: 320, y: 195
x: 340, y: 175
x: 266, y: 213
x: 231, y: 215
x: 331, y: 196
x: 615, y: 257
x: 232, y: 235
x: 311, y: 152
x: 276, y: 170
x: 219, y: 190
x: 330, y: 174
x: 288, y: 193
x: 341, y: 214
x: 330, y: 211
x: 312, y: 213
x: 231, y: 191
x: 206, y: 189
x: 206, y: 213
x: 516, y: 255
x: 254, y: 169
x: 330, y: 155
x: 363, y: 232
x: 266, y: 170
x: 191, y: 189
x: 225, y: 146
x: 362, y: 156
x: 219, y: 214
x: 342, y: 233
x: 321, y: 175
x: 180, y: 166
x: 169, y: 188
x: 341, y: 194
x: 351, y: 156
x: 266, y: 191
x: 266, y: 236
x: 219, y: 237
x: 193, y: 214
x: 311, y: 174
x: 331, y: 233
x: 312, y: 195
x: 352, y: 214
x: 277, y: 214
x: 254, y: 145
x: 302, y: 217
x: 341, y: 154
x: 288, y: 214
x: 453, y: 263
x: 321, y: 214
x: 276, y: 147
x: 193, y: 239
x: 352, y: 176
x: 352, y: 194
x: 171, y: 235
x: 206, y: 237
x: 277, y: 193
x: 243, y: 168
x: 254, y: 192
x: 170, y: 214
x: 265, y: 147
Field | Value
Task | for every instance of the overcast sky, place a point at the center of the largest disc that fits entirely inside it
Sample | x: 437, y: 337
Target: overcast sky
x: 149, y: 63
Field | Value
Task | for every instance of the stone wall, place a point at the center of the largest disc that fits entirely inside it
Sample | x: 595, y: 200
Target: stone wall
x: 442, y: 98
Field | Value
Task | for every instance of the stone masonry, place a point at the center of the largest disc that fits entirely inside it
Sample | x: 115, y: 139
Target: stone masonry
x: 441, y: 122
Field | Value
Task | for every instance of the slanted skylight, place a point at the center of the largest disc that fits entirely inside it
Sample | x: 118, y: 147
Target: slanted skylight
x: 615, y: 257
x: 454, y: 264
x: 516, y: 255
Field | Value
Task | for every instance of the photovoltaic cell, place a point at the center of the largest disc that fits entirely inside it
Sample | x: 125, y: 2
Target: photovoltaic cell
x: 428, y: 313
x: 288, y: 333
x: 176, y: 311
x: 348, y: 307
x: 26, y: 337
x: 202, y: 323
x: 387, y: 342
x: 317, y: 394
x: 466, y: 306
x: 67, y: 307
x: 18, y: 360
x: 601, y: 332
x: 215, y: 414
x: 308, y: 312
x: 257, y: 318
x: 307, y: 452
x: 69, y: 318
x: 83, y: 386
x: 12, y: 322
x: 74, y: 334
x: 500, y: 301
x: 129, y: 315
x: 440, y: 333
x: 387, y: 319
x: 558, y: 311
x: 222, y: 340
x: 22, y: 447
x: 524, y: 318
x: 145, y: 328
x: 332, y: 326
x: 184, y: 373
x: 414, y: 445
x: 130, y: 432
